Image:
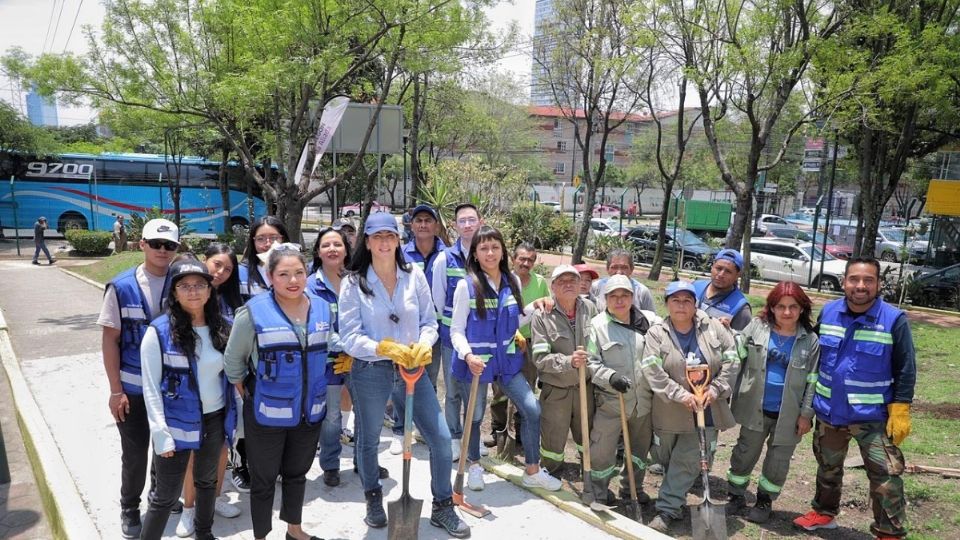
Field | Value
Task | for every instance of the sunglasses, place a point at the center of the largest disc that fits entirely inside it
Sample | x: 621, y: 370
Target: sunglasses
x: 163, y: 244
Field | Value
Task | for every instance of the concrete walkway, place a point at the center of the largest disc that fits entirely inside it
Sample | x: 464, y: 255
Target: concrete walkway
x: 52, y: 318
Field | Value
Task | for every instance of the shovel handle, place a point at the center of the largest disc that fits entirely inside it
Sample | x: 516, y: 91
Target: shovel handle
x: 410, y: 378
x: 584, y: 421
x: 628, y: 453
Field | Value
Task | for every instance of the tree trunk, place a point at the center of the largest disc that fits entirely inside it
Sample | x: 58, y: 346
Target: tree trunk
x: 661, y: 232
x: 419, y: 98
x: 740, y: 221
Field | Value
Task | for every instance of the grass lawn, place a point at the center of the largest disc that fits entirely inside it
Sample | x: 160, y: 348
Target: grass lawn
x: 105, y: 269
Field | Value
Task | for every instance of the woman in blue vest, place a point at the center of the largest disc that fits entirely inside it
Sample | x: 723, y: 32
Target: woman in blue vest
x: 331, y: 256
x: 252, y: 273
x: 487, y: 312
x: 386, y: 313
x: 277, y: 357
x: 189, y: 402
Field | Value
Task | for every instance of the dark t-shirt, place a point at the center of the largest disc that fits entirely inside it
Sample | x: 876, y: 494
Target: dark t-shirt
x: 38, y: 230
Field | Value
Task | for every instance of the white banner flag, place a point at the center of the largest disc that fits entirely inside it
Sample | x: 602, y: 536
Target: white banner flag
x: 329, y: 120
x: 302, y: 163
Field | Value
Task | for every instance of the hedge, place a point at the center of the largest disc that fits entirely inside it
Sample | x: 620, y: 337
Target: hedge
x: 90, y: 242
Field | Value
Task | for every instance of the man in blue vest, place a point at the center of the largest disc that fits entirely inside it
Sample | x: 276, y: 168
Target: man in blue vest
x: 448, y: 269
x: 131, y: 301
x: 719, y: 296
x: 864, y: 389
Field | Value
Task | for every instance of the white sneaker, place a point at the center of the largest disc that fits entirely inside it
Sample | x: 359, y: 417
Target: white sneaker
x: 185, y: 527
x: 455, y: 449
x: 542, y: 479
x: 396, y: 445
x: 223, y: 507
x: 484, y: 451
x: 475, y: 477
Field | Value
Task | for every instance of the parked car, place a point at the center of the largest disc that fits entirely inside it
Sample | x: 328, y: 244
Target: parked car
x: 890, y: 245
x: 937, y: 288
x: 800, y: 220
x: 833, y: 248
x: 696, y: 253
x: 767, y: 220
x: 605, y: 227
x: 606, y: 211
x: 777, y: 259
x: 553, y: 204
x: 354, y: 209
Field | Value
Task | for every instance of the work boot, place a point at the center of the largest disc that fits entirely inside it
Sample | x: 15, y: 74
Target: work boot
x: 130, y: 523
x: 375, y: 517
x: 660, y: 523
x: 735, y: 504
x: 642, y: 497
x: 444, y: 516
x: 760, y: 513
x: 331, y: 477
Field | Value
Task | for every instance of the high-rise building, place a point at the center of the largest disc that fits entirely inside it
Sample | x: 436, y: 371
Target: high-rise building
x: 40, y: 110
x: 543, y: 51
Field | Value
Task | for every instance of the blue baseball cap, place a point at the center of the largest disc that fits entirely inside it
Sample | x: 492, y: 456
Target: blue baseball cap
x: 425, y: 208
x: 731, y: 255
x: 680, y: 286
x: 380, y: 221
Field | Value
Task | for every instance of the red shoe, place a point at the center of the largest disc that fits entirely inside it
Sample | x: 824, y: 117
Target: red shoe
x: 814, y: 520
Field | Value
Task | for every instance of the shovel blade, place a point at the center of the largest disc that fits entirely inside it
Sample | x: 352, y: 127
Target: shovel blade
x: 403, y: 520
x: 709, y: 521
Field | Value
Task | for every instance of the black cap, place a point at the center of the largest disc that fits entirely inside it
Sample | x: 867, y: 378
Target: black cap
x: 189, y: 267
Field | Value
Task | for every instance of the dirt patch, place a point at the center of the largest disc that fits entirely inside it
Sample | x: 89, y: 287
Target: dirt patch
x: 943, y: 411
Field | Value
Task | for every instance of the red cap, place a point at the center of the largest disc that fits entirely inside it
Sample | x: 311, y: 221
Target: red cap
x: 586, y: 270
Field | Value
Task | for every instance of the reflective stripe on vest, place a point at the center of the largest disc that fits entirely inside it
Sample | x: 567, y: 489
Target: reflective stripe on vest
x: 134, y: 318
x: 455, y: 271
x: 179, y: 390
x: 492, y: 337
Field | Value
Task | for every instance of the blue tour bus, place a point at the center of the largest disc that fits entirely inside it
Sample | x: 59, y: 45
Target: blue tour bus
x: 88, y: 191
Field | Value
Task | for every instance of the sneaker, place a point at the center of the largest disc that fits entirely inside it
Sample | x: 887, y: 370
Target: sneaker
x: 52, y: 261
x: 130, y: 523
x: 475, y: 477
x: 223, y: 507
x: 396, y: 444
x: 541, y: 479
x: 346, y: 437
x: 36, y: 263
x: 444, y: 516
x: 241, y: 479
x: 185, y: 527
x: 660, y: 523
x: 455, y: 449
x: 375, y: 517
x: 331, y: 477
x: 814, y: 520
x: 760, y: 513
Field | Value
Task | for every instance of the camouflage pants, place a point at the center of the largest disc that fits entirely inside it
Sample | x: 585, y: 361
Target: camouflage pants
x: 884, y: 464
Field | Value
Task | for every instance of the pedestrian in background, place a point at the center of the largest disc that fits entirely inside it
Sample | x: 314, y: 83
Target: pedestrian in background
x: 254, y: 278
x: 774, y: 401
x: 39, y: 229
x: 119, y: 236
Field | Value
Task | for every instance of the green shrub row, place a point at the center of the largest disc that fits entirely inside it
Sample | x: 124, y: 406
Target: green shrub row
x: 89, y: 242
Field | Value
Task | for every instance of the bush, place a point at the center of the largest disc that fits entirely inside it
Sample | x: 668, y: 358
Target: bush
x: 601, y: 246
x: 90, y: 242
x: 539, y: 225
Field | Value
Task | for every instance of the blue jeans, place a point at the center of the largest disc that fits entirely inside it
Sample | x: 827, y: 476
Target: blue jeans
x: 518, y: 391
x: 36, y: 253
x: 399, y: 390
x: 330, y: 431
x: 455, y: 400
x: 370, y: 386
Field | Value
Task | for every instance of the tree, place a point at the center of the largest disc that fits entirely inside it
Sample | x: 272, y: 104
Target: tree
x: 17, y: 133
x: 257, y: 70
x: 584, y: 59
x: 903, y: 61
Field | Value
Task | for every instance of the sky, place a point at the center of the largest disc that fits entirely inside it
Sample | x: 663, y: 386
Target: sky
x: 40, y: 26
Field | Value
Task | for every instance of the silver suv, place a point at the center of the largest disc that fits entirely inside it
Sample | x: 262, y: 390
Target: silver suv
x: 778, y: 259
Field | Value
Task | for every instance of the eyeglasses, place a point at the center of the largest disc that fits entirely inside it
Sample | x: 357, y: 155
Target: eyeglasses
x: 791, y: 307
x: 163, y: 244
x: 267, y: 239
x: 199, y: 287
x: 468, y: 221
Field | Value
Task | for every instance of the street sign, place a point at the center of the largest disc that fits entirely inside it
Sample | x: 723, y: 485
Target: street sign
x: 576, y: 181
x: 811, y: 166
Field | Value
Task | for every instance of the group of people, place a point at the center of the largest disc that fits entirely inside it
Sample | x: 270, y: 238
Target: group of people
x: 207, y: 356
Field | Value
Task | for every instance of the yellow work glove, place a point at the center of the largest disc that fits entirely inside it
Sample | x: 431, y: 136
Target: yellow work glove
x: 400, y: 354
x: 898, y: 425
x: 422, y: 354
x: 342, y: 364
x: 520, y: 341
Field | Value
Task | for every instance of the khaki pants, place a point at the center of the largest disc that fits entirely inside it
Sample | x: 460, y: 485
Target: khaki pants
x: 745, y: 455
x: 680, y: 455
x: 604, y: 437
x: 560, y: 415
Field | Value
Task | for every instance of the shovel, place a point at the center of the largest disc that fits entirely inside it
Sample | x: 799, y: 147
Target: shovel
x: 708, y: 517
x: 404, y: 513
x: 506, y: 445
x: 628, y: 457
x: 587, y: 495
x: 458, y: 499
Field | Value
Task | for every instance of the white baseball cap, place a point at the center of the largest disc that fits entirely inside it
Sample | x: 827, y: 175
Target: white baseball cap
x: 617, y: 282
x: 564, y: 269
x: 161, y: 229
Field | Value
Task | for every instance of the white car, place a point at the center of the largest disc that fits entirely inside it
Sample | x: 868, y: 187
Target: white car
x: 778, y: 259
x: 770, y: 219
x: 552, y: 204
x: 605, y: 227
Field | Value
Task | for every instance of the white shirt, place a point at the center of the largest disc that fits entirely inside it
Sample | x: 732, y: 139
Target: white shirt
x: 209, y: 378
x: 150, y: 285
x: 461, y: 309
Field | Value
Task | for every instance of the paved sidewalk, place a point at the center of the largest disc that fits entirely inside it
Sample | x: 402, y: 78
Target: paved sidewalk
x: 52, y: 319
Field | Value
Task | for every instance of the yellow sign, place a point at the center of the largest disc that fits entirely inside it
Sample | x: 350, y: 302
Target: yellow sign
x: 576, y: 181
x: 943, y: 197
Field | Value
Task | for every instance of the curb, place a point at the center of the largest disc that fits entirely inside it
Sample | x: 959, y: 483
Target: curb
x: 85, y: 279
x: 612, y: 523
x: 74, y: 520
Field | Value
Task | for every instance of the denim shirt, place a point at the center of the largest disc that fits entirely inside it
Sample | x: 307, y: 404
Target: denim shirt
x: 365, y: 320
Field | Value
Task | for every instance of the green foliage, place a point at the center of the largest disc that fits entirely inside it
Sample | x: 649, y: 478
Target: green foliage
x: 89, y: 242
x: 106, y: 268
x: 136, y: 222
x: 16, y: 133
x: 537, y: 224
x: 603, y: 245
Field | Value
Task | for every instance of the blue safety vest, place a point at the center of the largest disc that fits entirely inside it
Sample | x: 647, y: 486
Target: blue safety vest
x: 456, y: 270
x: 182, y: 408
x: 291, y: 382
x: 319, y: 287
x: 134, y: 317
x: 727, y: 306
x: 492, y: 338
x: 855, y: 381
x: 225, y: 309
x: 412, y: 255
x: 250, y: 286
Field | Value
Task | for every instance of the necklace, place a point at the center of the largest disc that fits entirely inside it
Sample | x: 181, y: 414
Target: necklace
x: 779, y: 340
